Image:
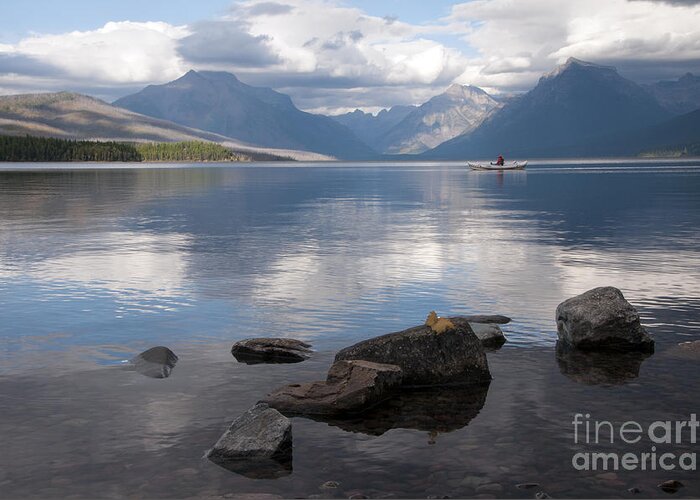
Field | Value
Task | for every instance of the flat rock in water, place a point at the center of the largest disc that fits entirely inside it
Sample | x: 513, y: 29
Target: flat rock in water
x: 685, y: 350
x: 258, y: 444
x: 490, y: 334
x: 271, y: 350
x: 351, y: 387
x: 601, y: 319
x: 427, y: 358
x: 484, y: 318
x: 156, y: 362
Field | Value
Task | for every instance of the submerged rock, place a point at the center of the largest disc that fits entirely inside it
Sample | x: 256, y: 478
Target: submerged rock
x: 599, y: 367
x: 156, y: 362
x: 526, y: 486
x: 601, y: 319
x: 351, y: 387
x: 685, y: 350
x: 258, y: 444
x: 426, y: 358
x: 671, y: 486
x: 271, y: 350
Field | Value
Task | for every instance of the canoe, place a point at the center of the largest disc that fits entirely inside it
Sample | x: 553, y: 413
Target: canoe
x: 515, y: 165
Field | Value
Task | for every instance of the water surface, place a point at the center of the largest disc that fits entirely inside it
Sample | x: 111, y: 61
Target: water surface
x: 98, y: 264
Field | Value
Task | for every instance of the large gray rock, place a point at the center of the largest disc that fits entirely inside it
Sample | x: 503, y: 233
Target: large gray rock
x: 351, y: 387
x: 156, y: 362
x: 271, y: 350
x: 601, y: 319
x: 425, y: 357
x: 490, y: 334
x: 258, y: 444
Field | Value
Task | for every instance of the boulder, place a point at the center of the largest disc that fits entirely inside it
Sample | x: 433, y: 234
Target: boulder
x: 426, y: 358
x: 270, y: 350
x: 490, y: 334
x: 351, y: 387
x: 156, y: 362
x: 601, y: 319
x: 258, y: 444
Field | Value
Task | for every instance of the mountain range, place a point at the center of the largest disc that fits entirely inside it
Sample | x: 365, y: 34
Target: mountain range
x: 579, y: 109
x: 68, y: 115
x: 220, y: 103
x: 677, y: 96
x: 569, y: 111
x: 459, y: 110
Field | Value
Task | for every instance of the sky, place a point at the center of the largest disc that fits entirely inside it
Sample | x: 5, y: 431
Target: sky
x: 333, y: 56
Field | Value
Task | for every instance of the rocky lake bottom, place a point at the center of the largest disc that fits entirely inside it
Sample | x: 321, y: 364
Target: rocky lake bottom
x: 99, y: 265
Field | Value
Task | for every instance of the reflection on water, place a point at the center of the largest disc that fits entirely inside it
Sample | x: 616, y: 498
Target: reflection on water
x: 99, y: 264
x: 332, y: 254
x: 590, y: 367
x: 436, y: 410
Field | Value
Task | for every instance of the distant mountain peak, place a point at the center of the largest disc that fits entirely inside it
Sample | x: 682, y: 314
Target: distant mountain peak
x: 572, y: 63
x: 218, y: 75
x: 194, y: 75
x: 463, y: 91
x: 455, y: 88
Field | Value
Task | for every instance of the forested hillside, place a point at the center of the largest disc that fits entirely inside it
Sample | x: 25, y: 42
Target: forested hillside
x: 30, y: 148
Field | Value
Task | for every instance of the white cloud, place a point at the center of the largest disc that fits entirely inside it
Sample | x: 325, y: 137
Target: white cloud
x: 518, y: 41
x: 331, y: 56
x: 118, y: 53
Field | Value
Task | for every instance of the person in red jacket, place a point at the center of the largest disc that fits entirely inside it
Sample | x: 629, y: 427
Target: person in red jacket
x: 500, y: 161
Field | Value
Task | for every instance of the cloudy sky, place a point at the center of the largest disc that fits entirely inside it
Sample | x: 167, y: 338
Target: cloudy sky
x: 336, y: 55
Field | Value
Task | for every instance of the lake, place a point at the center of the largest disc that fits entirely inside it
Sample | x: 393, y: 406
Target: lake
x: 100, y: 262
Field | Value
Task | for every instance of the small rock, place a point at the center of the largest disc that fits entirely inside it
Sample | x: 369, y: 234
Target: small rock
x: 490, y: 334
x: 601, y: 319
x: 328, y: 485
x: 526, y: 486
x: 271, y: 350
x: 258, y: 444
x: 156, y: 362
x: 671, y: 486
x: 489, y: 488
x: 541, y: 495
x: 357, y: 496
x: 634, y: 490
x: 350, y: 387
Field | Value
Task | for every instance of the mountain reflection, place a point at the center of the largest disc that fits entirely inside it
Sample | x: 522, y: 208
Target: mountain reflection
x: 335, y: 253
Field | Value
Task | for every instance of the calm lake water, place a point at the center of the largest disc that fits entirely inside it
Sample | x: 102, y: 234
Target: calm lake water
x: 99, y: 263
